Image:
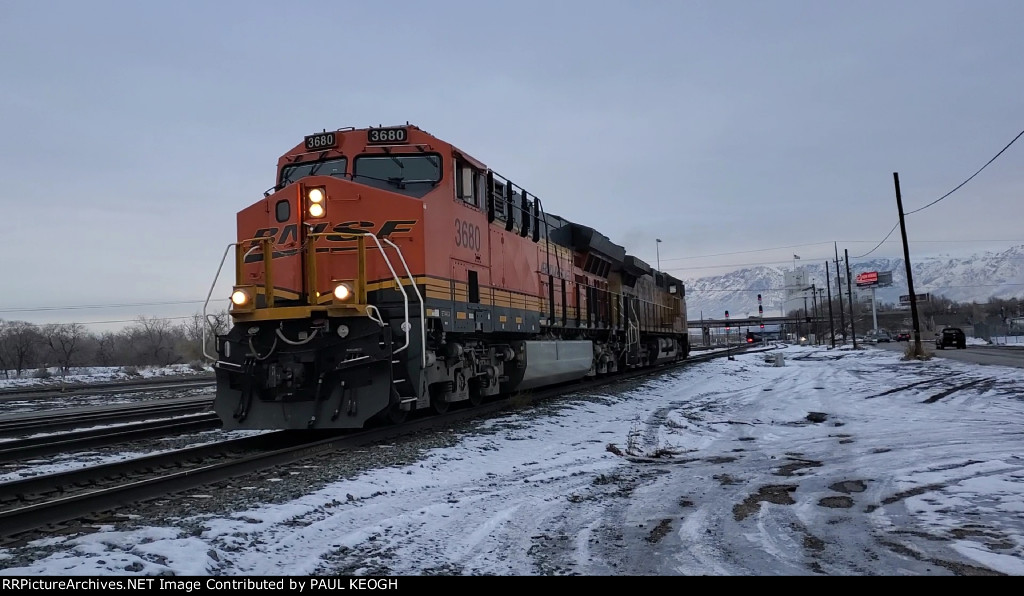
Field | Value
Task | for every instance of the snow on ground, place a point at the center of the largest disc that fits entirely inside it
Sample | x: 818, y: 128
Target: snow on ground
x: 840, y: 462
x: 95, y: 374
x: 1004, y: 340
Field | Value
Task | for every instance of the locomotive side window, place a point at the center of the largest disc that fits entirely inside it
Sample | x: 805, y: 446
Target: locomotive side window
x: 283, y: 211
x: 498, y: 199
x: 328, y: 167
x: 413, y: 175
x: 467, y: 183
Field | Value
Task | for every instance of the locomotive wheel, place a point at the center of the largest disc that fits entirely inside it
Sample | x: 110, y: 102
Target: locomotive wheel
x: 437, y: 403
x: 394, y: 414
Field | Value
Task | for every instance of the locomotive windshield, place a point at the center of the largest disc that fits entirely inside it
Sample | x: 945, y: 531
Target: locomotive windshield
x: 413, y: 175
x: 328, y: 167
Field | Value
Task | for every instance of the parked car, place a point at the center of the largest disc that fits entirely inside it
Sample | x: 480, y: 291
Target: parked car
x: 880, y: 337
x: 951, y: 337
x: 903, y: 336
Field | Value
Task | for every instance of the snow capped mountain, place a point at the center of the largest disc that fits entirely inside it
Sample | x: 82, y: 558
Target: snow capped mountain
x: 974, y: 278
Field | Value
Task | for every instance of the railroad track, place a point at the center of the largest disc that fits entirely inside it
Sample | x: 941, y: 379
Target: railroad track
x: 53, y: 421
x: 32, y: 447
x: 46, y: 503
x: 133, y: 386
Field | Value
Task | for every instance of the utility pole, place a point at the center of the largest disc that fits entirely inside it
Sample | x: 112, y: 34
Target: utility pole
x: 874, y: 310
x: 839, y: 290
x: 814, y: 299
x: 849, y: 292
x: 831, y: 321
x: 805, y: 313
x: 906, y: 259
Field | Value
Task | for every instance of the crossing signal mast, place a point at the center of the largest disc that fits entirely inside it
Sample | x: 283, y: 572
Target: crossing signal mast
x: 727, y: 344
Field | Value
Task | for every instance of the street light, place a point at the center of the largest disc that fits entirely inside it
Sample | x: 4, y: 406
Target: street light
x: 657, y: 251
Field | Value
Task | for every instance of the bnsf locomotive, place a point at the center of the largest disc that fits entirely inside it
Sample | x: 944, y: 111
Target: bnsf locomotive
x: 388, y: 271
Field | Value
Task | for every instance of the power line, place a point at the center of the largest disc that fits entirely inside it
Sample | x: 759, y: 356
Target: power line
x: 810, y: 262
x: 756, y: 250
x: 129, y: 320
x: 742, y: 252
x: 91, y: 306
x: 972, y: 175
x: 958, y: 186
x: 938, y: 241
x: 880, y: 243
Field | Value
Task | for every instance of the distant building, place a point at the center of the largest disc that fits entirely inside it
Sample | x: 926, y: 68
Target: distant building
x: 797, y: 285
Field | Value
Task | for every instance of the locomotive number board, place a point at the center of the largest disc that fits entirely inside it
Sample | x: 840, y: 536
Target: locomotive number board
x: 321, y: 140
x: 377, y: 136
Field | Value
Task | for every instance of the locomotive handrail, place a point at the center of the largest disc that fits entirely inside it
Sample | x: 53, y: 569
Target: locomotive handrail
x: 423, y: 306
x: 209, y: 294
x: 405, y: 325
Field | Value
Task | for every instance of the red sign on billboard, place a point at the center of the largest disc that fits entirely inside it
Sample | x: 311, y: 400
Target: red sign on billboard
x: 866, y: 279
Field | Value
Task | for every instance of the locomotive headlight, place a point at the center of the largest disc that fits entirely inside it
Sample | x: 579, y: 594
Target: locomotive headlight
x: 243, y: 299
x: 342, y: 292
x: 239, y: 298
x: 316, y: 201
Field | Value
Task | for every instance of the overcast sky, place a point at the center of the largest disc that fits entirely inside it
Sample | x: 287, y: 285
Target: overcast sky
x: 132, y: 132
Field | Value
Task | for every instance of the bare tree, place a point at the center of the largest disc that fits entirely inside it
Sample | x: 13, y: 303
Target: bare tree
x: 192, y: 331
x: 106, y: 349
x: 192, y: 328
x: 156, y: 339
x: 20, y: 344
x: 4, y: 366
x: 216, y: 324
x: 64, y: 341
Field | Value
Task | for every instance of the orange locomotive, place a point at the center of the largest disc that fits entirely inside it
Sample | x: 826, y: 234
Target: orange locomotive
x: 388, y: 271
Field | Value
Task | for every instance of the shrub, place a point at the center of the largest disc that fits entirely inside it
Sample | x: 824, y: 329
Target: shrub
x: 910, y: 352
x: 197, y: 366
x: 130, y: 371
x: 42, y: 373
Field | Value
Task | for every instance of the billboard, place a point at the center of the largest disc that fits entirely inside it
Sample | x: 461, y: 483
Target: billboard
x: 867, y: 279
x: 874, y: 279
x: 905, y: 299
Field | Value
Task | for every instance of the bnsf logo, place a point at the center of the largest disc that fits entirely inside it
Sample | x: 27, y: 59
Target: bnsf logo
x: 345, y: 232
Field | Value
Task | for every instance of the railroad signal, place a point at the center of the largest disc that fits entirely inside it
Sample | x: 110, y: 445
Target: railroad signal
x: 760, y: 310
x: 727, y: 320
x: 759, y: 299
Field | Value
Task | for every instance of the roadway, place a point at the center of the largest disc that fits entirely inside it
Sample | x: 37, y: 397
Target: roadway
x: 997, y: 355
